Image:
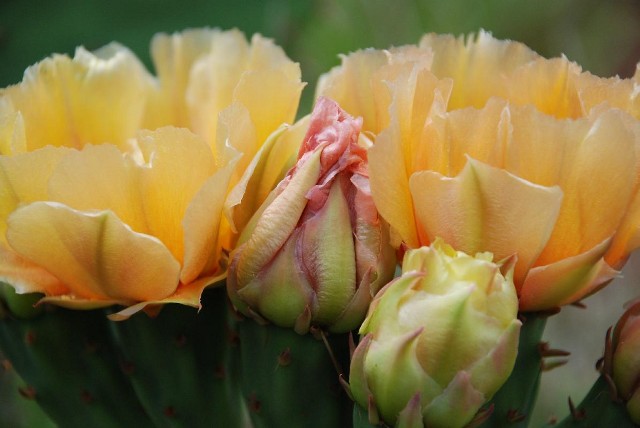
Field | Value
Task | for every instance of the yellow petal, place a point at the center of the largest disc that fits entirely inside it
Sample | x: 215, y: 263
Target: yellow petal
x: 272, y: 84
x: 189, y: 296
x: 265, y: 171
x: 93, y: 98
x: 620, y: 93
x: 592, y: 159
x: 179, y: 164
x: 12, y: 134
x: 548, y: 84
x: 27, y: 277
x: 567, y: 280
x: 482, y: 134
x: 234, y: 71
x: 173, y: 56
x: 94, y: 254
x: 487, y: 209
x: 390, y: 186
x: 23, y: 179
x: 477, y: 65
x: 100, y: 178
x: 201, y: 225
x: 350, y: 85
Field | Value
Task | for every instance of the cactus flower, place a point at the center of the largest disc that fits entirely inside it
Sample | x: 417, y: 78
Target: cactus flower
x: 626, y: 359
x: 316, y: 251
x: 553, y: 169
x: 438, y: 341
x: 96, y: 205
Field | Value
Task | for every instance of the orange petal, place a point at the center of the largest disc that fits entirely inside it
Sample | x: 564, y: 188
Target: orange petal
x: 592, y: 159
x: 567, y: 280
x: 184, y: 295
x: 94, y: 254
x: 27, y: 277
x: 180, y: 162
x: 390, y: 186
x: 201, y: 225
x: 487, y: 209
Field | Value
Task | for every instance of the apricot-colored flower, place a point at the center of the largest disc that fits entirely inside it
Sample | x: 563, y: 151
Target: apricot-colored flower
x: 97, y: 226
x: 493, y: 148
x: 95, y: 210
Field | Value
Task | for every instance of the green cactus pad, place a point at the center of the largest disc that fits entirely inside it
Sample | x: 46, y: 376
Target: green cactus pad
x: 176, y: 363
x: 68, y: 363
x: 290, y: 377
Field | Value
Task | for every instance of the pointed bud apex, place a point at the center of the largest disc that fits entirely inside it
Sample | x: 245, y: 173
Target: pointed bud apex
x: 444, y: 333
x: 316, y: 251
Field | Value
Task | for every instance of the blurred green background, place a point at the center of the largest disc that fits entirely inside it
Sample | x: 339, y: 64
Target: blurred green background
x: 602, y: 35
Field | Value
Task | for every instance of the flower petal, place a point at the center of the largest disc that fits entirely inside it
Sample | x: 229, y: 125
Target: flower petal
x: 94, y: 254
x: 201, y: 225
x: 180, y: 162
x: 592, y: 159
x: 566, y: 281
x: 93, y: 98
x: 487, y: 209
x: 23, y: 179
x: 277, y: 223
x: 189, y: 296
x: 27, y: 277
x: 389, y: 186
x: 477, y: 65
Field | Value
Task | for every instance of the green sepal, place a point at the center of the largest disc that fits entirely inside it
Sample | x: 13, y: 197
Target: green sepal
x: 513, y: 403
x: 361, y: 418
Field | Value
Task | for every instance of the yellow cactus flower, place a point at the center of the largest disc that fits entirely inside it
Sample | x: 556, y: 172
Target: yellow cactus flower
x: 97, y: 226
x: 96, y: 210
x: 493, y: 148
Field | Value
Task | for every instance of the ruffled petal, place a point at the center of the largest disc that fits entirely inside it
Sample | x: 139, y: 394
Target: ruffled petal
x: 93, y: 253
x: 93, y: 98
x: 487, y: 209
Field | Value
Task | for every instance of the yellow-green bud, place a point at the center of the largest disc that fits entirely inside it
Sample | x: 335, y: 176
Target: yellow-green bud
x: 316, y: 252
x: 438, y: 341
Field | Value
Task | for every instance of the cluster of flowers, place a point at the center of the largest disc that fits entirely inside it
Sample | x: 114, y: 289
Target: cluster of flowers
x: 503, y: 181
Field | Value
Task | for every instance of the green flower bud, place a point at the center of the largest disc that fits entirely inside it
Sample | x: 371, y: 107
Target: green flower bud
x: 316, y: 251
x: 626, y: 359
x: 438, y: 341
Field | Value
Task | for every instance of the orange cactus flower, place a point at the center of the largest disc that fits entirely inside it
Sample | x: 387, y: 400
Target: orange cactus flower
x: 493, y: 148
